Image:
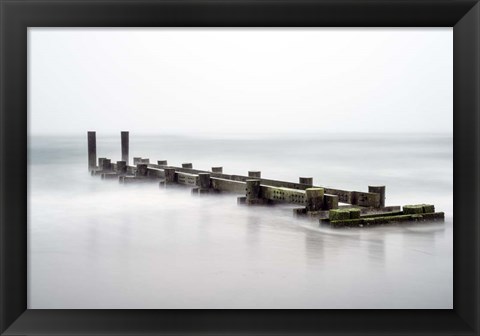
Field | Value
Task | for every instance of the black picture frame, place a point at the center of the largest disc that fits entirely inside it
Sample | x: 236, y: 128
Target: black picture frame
x: 17, y: 15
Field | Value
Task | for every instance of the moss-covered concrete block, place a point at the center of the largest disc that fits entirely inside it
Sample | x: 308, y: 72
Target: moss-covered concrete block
x: 348, y: 222
x: 384, y: 214
x: 339, y: 214
x: 354, y: 213
x: 417, y: 217
x: 393, y: 219
x: 412, y: 209
x: 428, y: 208
x: 437, y: 216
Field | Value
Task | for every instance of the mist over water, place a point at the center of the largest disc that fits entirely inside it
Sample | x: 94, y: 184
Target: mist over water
x: 98, y: 244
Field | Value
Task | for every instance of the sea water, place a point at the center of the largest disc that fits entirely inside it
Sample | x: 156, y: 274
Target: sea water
x: 96, y: 243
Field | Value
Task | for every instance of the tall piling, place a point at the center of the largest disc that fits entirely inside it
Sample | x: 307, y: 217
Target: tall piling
x: 378, y: 190
x: 253, y: 191
x: 92, y: 150
x: 125, y: 145
x: 254, y: 174
x: 314, y: 199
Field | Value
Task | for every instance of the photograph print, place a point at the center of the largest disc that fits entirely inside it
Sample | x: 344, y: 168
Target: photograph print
x: 240, y: 168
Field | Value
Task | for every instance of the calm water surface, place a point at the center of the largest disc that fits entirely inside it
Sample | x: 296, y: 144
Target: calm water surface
x: 99, y: 244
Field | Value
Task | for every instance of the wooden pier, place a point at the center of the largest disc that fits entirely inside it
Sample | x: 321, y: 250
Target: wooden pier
x: 334, y: 207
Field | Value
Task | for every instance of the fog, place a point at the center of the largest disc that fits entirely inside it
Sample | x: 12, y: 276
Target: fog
x: 237, y: 81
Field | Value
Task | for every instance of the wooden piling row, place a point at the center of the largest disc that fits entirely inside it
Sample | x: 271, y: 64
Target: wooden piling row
x: 364, y: 199
x: 316, y: 201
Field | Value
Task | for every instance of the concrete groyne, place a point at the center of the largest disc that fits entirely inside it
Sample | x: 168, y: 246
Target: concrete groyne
x: 334, y: 207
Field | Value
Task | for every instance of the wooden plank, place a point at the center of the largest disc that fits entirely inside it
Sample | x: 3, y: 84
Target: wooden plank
x: 225, y: 185
x: 187, y: 179
x: 344, y: 196
x: 155, y: 172
x: 365, y: 199
x: 131, y: 170
x: 109, y: 176
x: 283, y: 195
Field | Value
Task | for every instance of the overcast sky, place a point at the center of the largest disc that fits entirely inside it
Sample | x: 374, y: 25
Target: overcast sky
x: 240, y: 81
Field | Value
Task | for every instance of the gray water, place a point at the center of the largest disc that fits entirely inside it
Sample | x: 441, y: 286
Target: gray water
x: 100, y: 244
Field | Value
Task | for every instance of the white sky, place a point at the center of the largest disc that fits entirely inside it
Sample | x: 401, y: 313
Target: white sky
x: 240, y: 80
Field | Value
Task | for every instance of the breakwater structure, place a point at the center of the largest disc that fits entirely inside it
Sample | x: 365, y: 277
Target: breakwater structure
x: 334, y: 207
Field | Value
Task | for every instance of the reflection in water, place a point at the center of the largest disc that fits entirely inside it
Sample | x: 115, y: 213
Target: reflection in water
x: 253, y: 233
x: 99, y: 244
x: 314, y: 248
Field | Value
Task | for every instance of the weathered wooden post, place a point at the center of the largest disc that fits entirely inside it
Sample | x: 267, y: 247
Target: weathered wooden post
x: 204, y: 182
x: 330, y: 202
x: 162, y: 162
x: 314, y: 198
x: 253, y: 191
x: 169, y: 175
x: 306, y: 180
x: 187, y: 165
x: 106, y: 165
x: 125, y: 145
x: 217, y: 169
x: 121, y: 167
x: 254, y: 173
x: 92, y: 150
x: 100, y: 163
x: 141, y: 170
x: 378, y: 190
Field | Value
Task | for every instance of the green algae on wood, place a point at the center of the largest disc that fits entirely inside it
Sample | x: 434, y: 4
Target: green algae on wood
x: 339, y: 214
x: 354, y: 213
x: 386, y: 214
x: 347, y: 222
x: 412, y: 209
x: 418, y: 209
x: 428, y: 208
